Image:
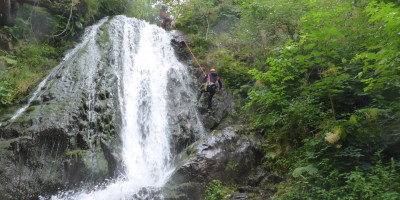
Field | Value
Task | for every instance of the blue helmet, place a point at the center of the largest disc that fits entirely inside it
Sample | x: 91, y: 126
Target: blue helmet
x: 163, y: 6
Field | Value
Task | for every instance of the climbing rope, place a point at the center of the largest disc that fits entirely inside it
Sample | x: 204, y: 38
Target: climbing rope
x: 190, y: 50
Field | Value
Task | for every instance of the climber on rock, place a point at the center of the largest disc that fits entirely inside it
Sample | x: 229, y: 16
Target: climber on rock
x: 165, y: 21
x: 210, y: 87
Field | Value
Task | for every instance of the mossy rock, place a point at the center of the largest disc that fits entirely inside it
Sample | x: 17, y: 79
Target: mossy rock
x: 185, y: 191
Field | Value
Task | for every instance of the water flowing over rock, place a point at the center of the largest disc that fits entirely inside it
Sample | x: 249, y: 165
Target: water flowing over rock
x: 62, y: 137
x: 109, y: 120
x: 115, y: 111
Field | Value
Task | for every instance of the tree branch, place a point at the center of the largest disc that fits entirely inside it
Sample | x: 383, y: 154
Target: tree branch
x: 69, y: 19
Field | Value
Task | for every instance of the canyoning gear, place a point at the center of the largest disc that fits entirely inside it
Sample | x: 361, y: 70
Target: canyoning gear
x: 165, y: 24
x: 212, y: 78
x: 163, y: 6
x: 189, y: 49
x: 162, y: 14
x: 210, y: 87
x: 213, y: 70
x: 165, y: 21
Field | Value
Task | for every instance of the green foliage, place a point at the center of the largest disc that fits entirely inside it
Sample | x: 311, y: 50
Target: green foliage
x: 29, y: 65
x: 92, y: 7
x: 315, y: 69
x: 113, y: 7
x: 142, y: 9
x: 378, y: 181
x: 326, y: 99
x: 234, y: 72
x: 69, y: 26
x: 19, y: 31
x: 206, y: 23
x: 215, y: 191
x: 5, y: 92
x: 9, y: 59
x: 37, y: 57
x: 379, y: 71
x: 85, y: 12
x: 310, y: 169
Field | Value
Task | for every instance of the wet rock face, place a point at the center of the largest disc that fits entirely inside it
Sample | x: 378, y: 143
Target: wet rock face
x: 70, y: 133
x: 184, y: 121
x: 226, y: 155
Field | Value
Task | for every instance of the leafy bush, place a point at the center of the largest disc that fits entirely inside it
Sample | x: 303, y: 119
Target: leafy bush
x: 37, y: 57
x: 379, y: 181
x: 30, y: 64
x: 215, y: 191
x: 5, y: 92
x: 19, y: 31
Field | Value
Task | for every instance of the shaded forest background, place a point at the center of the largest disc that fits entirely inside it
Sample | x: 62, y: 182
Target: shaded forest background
x: 318, y: 80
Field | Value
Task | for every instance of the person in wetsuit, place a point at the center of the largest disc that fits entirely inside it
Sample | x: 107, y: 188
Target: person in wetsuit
x: 166, y: 21
x: 212, y: 78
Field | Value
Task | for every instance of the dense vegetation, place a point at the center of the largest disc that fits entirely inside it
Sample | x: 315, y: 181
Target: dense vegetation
x: 318, y: 80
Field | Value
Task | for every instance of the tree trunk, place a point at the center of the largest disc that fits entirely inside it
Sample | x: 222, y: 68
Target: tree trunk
x: 5, y: 7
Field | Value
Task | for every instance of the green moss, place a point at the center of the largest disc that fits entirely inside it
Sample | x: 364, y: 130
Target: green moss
x: 96, y: 161
x: 102, y: 164
x: 85, y: 93
x: 93, y: 7
x: 75, y: 154
x: 215, y: 132
x: 5, y: 144
x: 177, y: 191
x: 187, y: 152
x: 231, y: 166
x: 105, y: 36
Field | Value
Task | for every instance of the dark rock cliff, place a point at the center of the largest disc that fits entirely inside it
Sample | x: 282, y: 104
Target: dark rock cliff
x: 70, y: 132
x: 229, y: 155
x: 188, y: 133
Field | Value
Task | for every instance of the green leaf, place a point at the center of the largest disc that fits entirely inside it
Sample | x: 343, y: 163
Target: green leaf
x: 78, y: 24
x: 9, y: 60
x: 310, y: 169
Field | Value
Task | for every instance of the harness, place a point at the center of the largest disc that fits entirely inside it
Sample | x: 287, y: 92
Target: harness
x: 210, y: 83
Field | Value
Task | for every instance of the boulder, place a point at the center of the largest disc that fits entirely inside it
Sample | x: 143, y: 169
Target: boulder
x: 228, y: 155
x: 68, y: 134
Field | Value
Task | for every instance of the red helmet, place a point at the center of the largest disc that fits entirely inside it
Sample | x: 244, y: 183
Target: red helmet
x: 213, y: 70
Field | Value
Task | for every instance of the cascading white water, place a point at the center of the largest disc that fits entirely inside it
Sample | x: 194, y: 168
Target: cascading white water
x: 142, y: 57
x: 145, y: 108
x: 88, y: 36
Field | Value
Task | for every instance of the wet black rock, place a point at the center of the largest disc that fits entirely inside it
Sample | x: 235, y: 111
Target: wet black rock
x: 228, y: 155
x: 68, y: 135
x: 188, y: 129
x: 178, y: 42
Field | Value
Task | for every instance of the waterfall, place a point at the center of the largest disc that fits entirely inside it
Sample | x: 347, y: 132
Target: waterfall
x: 143, y: 60
x: 88, y: 36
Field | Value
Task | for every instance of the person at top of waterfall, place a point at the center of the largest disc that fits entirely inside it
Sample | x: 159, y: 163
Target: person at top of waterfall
x: 211, y: 79
x: 166, y: 21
